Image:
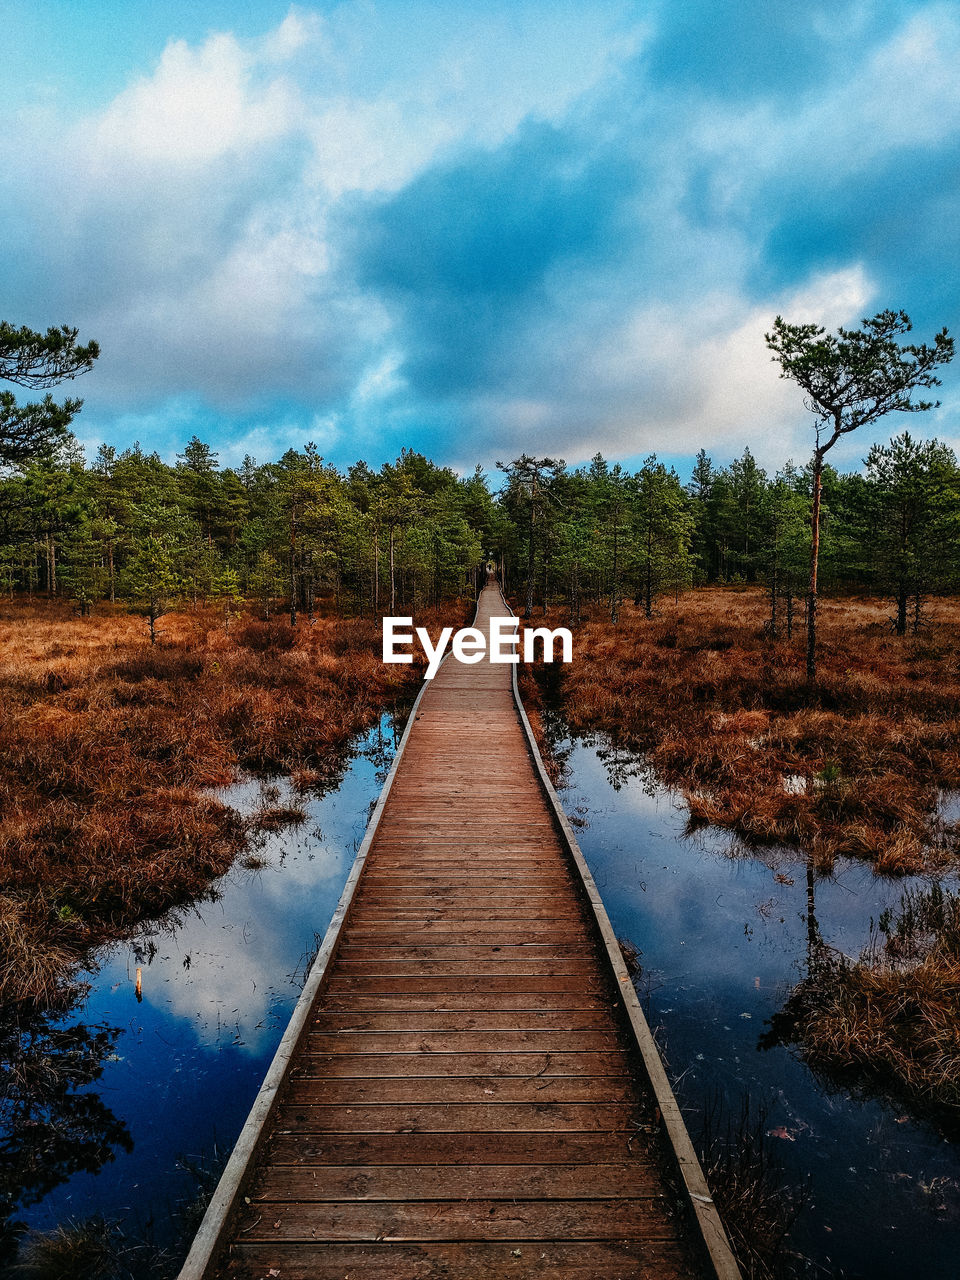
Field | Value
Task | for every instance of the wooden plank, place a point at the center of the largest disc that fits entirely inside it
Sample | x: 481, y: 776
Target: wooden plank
x: 450, y: 949
x: 499, y: 852
x: 464, y: 868
x: 536, y: 1149
x: 464, y: 1001
x: 625, y: 1219
x: 409, y: 903
x: 468, y: 906
x: 445, y: 1042
x: 460, y: 1020
x: 451, y: 1260
x: 470, y: 868
x: 340, y: 984
x: 493, y: 851
x: 557, y: 1063
x: 495, y: 893
x: 465, y: 876
x: 490, y: 1117
x: 342, y: 1066
x: 387, y: 966
x: 465, y: 880
x: 482, y: 931
x: 305, y: 1089
x: 466, y: 1181
x: 446, y: 946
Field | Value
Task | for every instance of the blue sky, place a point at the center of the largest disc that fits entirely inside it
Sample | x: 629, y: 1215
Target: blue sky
x: 474, y: 229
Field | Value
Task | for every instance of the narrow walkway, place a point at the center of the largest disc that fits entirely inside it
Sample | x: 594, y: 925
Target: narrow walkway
x: 465, y: 1102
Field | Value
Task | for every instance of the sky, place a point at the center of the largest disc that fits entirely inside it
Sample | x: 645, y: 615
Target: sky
x: 475, y: 229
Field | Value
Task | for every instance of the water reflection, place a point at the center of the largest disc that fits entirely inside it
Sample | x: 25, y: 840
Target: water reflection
x: 725, y: 935
x: 223, y: 966
x: 178, y: 1056
x: 52, y: 1125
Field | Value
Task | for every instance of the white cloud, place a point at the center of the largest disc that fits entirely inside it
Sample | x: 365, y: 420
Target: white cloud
x: 379, y: 382
x: 196, y: 106
x: 675, y: 378
x: 190, y: 218
x: 199, y: 228
x: 900, y: 97
x: 298, y: 30
x: 908, y: 94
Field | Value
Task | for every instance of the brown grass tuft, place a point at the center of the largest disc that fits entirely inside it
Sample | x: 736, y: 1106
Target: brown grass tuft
x: 891, y: 1017
x: 107, y: 743
x: 853, y: 766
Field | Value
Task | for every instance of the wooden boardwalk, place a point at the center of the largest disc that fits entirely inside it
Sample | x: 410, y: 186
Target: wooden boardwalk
x: 463, y: 1094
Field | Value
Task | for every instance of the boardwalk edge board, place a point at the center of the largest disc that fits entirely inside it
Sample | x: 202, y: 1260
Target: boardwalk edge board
x: 705, y: 1215
x: 212, y: 1234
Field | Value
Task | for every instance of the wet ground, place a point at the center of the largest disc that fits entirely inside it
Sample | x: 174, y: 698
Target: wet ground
x: 184, y: 1052
x: 722, y: 940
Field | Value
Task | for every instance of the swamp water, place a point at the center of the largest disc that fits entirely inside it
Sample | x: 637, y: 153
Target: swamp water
x: 183, y: 1057
x: 722, y: 939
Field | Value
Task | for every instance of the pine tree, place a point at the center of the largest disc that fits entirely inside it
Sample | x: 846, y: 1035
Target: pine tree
x: 916, y: 490
x: 851, y: 380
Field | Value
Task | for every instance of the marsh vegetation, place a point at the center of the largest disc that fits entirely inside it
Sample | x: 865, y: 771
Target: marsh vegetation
x: 111, y: 747
x: 854, y: 766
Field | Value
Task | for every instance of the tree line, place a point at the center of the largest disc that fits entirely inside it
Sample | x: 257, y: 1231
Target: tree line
x: 128, y: 527
x: 601, y: 533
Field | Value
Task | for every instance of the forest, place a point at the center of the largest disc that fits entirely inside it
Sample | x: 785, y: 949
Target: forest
x: 129, y: 528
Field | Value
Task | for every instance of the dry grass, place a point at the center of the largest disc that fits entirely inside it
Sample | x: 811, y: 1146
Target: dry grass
x: 756, y: 1201
x: 892, y: 1018
x: 106, y: 745
x: 75, y: 1251
x: 91, y: 1249
x: 853, y: 766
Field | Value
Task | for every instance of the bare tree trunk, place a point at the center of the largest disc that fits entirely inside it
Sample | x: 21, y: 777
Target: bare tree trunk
x: 376, y: 571
x: 902, y: 609
x: 615, y: 582
x: 393, y: 580
x: 528, y: 611
x: 813, y: 931
x: 814, y: 564
x: 113, y: 579
x: 574, y: 596
x: 51, y: 566
x: 293, y: 584
x: 648, y: 586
